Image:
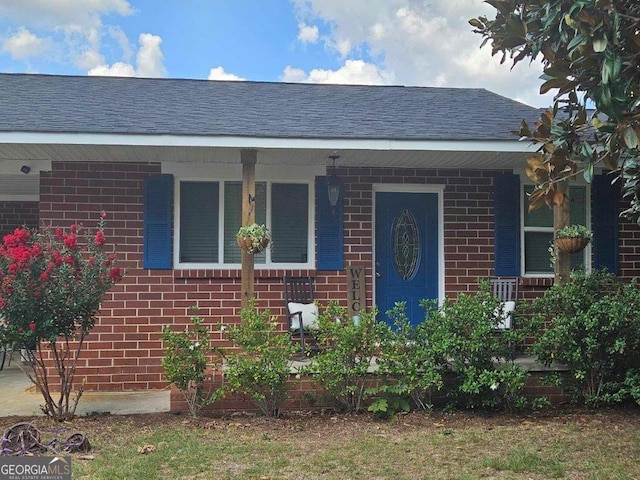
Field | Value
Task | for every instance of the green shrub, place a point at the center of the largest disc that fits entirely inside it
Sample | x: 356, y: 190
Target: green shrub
x: 186, y: 357
x: 347, y: 351
x: 392, y: 399
x: 464, y: 335
x: 261, y: 366
x: 411, y: 364
x: 593, y: 329
x: 631, y: 386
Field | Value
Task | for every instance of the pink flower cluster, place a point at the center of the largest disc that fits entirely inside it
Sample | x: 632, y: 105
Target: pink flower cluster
x: 63, y: 273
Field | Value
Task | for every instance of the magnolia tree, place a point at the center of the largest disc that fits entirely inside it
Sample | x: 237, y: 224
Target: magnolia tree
x: 590, y: 51
x: 52, y: 283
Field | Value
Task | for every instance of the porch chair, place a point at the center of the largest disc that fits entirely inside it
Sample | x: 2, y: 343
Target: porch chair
x: 302, y: 313
x: 505, y: 289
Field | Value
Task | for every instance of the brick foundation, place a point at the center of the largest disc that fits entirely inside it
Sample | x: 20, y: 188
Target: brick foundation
x: 304, y: 394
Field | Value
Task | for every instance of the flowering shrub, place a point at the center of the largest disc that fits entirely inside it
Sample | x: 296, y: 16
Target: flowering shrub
x: 593, y: 328
x: 464, y: 335
x: 415, y: 368
x: 51, y: 286
x: 260, y: 367
x: 347, y: 352
x: 185, y: 361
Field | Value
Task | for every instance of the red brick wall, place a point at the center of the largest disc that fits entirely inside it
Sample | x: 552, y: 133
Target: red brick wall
x: 124, y: 350
x: 629, y: 249
x: 17, y: 214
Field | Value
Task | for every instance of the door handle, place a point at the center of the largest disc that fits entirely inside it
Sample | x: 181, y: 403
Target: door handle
x: 378, y: 274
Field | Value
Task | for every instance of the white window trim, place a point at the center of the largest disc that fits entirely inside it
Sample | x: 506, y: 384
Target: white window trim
x: 524, y: 204
x: 178, y: 265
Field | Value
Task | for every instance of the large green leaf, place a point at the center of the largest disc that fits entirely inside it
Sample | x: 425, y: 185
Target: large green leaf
x: 599, y: 44
x: 630, y: 137
x: 588, y: 172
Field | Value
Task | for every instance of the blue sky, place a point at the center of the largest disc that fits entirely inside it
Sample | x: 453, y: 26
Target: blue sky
x: 399, y: 42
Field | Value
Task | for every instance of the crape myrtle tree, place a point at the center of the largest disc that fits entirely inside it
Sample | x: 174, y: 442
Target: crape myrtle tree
x: 590, y: 51
x: 51, y: 285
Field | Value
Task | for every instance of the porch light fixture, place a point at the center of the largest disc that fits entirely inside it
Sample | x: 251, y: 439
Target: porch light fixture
x: 334, y: 184
x: 25, y: 169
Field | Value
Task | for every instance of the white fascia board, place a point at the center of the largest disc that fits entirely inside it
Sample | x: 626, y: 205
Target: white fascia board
x: 265, y: 142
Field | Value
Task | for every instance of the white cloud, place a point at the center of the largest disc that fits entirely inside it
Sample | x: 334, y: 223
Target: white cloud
x: 149, y: 61
x: 118, y: 69
x: 419, y: 42
x: 71, y: 15
x: 73, y: 29
x: 308, y: 33
x: 150, y: 57
x: 218, y: 73
x: 88, y: 59
x: 123, y: 42
x: 354, y: 72
x: 25, y: 44
x: 342, y: 45
x: 294, y: 75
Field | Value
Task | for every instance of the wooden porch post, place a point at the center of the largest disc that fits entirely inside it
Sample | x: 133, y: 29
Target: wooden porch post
x: 561, y: 218
x: 248, y: 159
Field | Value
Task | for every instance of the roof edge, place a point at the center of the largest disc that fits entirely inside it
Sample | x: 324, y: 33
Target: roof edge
x: 263, y: 142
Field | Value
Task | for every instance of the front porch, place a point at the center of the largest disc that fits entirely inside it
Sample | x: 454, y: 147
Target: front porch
x: 20, y: 398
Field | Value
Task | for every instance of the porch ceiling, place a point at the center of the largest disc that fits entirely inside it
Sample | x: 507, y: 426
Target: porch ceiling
x: 448, y: 157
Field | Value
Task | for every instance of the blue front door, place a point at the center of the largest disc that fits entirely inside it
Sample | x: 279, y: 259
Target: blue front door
x: 406, y: 249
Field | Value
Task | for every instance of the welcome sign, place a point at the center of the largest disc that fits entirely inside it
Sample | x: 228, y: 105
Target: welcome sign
x: 356, y: 289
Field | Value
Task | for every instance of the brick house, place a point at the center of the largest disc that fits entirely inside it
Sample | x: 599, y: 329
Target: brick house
x: 164, y: 158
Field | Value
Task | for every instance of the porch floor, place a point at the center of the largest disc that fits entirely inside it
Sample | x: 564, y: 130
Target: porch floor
x: 526, y: 362
x: 19, y: 397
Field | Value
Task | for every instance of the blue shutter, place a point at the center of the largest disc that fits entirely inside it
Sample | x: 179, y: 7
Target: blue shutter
x: 158, y: 222
x: 506, y: 211
x: 604, y: 201
x: 329, y: 229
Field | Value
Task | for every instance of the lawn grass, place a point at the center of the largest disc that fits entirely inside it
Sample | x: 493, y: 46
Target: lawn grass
x: 578, y: 445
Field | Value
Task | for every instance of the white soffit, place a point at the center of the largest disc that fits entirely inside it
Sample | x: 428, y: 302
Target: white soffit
x: 293, y: 152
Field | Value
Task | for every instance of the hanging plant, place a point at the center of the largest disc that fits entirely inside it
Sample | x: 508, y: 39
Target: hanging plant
x: 572, y: 238
x: 253, y: 238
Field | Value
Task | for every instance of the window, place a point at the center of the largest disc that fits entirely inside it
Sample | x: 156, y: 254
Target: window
x: 210, y: 214
x: 538, y: 232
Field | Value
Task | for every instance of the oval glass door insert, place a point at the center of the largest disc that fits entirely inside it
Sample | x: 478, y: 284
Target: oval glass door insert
x: 406, y: 245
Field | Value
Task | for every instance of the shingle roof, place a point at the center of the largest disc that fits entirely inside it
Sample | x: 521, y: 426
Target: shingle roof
x: 49, y: 103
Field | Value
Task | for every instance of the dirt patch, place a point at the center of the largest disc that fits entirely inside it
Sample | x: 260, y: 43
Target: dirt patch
x: 336, y: 425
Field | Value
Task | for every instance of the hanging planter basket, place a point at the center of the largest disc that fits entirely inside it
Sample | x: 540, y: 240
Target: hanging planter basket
x: 253, y: 238
x: 572, y: 244
x: 248, y: 245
